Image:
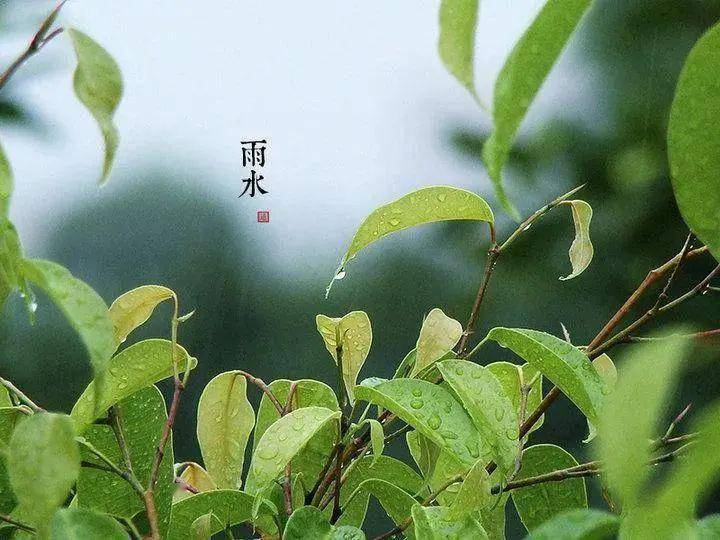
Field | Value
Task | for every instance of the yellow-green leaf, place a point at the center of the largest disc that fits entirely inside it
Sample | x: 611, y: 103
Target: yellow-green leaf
x: 581, y: 250
x: 438, y: 335
x: 231, y: 507
x: 81, y: 524
x: 98, y: 85
x: 196, y: 477
x: 426, y: 205
x: 140, y: 365
x: 606, y: 369
x: 474, y: 492
x: 522, y: 75
x: 578, y: 524
x: 284, y: 439
x: 43, y: 463
x: 437, y: 523
x: 377, y: 437
x: 512, y: 377
x: 202, y: 528
x: 353, y: 334
x: 82, y: 306
x: 134, y: 307
x: 6, y: 183
x: 225, y: 420
x: 694, y: 140
x: 456, y: 45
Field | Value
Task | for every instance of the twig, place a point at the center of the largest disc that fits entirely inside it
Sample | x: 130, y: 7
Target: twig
x: 679, y: 418
x: 39, y: 40
x: 266, y: 390
x: 15, y: 390
x: 17, y: 524
x: 397, y: 433
x: 110, y: 466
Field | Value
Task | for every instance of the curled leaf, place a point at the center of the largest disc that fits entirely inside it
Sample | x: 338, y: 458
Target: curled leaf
x: 581, y: 250
x: 438, y: 335
x: 426, y: 205
x: 353, y: 335
x: 133, y: 308
x: 377, y: 437
x: 98, y: 85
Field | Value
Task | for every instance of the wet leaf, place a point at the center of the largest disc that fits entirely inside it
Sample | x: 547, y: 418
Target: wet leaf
x: 606, y: 369
x: 694, y: 140
x: 566, y: 366
x: 80, y: 524
x: 202, y: 528
x: 436, y: 523
x: 82, y: 306
x: 308, y: 393
x: 43, y: 462
x: 540, y: 502
x: 522, y: 75
x: 512, y: 377
x: 474, y: 493
x: 139, y: 366
x: 9, y: 418
x: 98, y: 85
x: 231, y: 507
x: 309, y: 522
x: 377, y: 436
x: 384, y: 468
x: 632, y: 414
x: 353, y: 334
x: 143, y: 416
x: 456, y: 45
x: 426, y: 205
x: 432, y: 411
x: 396, y: 502
x: 581, y: 250
x: 197, y: 477
x: 488, y: 405
x: 438, y: 335
x: 224, y: 423
x: 284, y: 439
x: 134, y: 307
x: 578, y: 524
x: 424, y: 452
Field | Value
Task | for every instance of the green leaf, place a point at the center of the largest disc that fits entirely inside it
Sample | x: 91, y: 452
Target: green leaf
x: 632, y: 414
x: 540, y: 502
x: 43, y: 463
x: 98, y: 85
x: 512, y: 377
x: 694, y: 140
x: 426, y: 205
x: 202, y: 528
x: 474, y: 493
x: 353, y: 334
x: 708, y: 528
x: 231, y: 507
x: 566, y: 366
x: 9, y: 418
x: 377, y: 436
x: 309, y: 522
x: 384, y: 468
x: 284, y: 439
x: 581, y: 250
x: 396, y: 502
x: 606, y: 369
x: 488, y: 405
x: 432, y: 411
x: 437, y: 523
x: 197, y: 477
x: 578, y: 524
x: 224, y: 423
x: 11, y: 271
x: 438, y: 335
x: 80, y: 524
x: 134, y: 307
x: 521, y: 77
x: 6, y: 183
x: 139, y: 366
x: 82, y: 306
x: 143, y: 416
x: 456, y: 45
x: 424, y: 452
x: 308, y: 393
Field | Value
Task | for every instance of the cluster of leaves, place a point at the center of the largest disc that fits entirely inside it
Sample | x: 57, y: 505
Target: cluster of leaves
x: 107, y: 470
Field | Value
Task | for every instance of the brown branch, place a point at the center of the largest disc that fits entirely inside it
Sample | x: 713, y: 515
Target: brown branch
x: 39, y: 40
x: 266, y: 390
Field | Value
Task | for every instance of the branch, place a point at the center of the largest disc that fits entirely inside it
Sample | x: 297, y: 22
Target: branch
x: 21, y: 396
x: 39, y: 40
x: 17, y: 524
x: 266, y: 390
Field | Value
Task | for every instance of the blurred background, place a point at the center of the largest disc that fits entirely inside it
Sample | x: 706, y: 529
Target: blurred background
x: 357, y: 110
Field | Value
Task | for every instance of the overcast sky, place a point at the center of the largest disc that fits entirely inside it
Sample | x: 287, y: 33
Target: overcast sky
x: 352, y: 97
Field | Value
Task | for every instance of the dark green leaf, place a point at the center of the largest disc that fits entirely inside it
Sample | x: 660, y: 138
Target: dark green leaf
x: 80, y: 524
x: 98, y: 85
x: 224, y: 423
x: 694, y: 140
x: 521, y: 77
x: 540, y: 502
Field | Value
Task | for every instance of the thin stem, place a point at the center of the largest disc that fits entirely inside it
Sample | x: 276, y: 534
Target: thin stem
x: 15, y: 523
x: 39, y: 40
x: 21, y: 396
x: 266, y: 390
x: 115, y: 417
x: 110, y: 466
x: 132, y: 528
x: 338, y: 478
x: 492, y: 257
